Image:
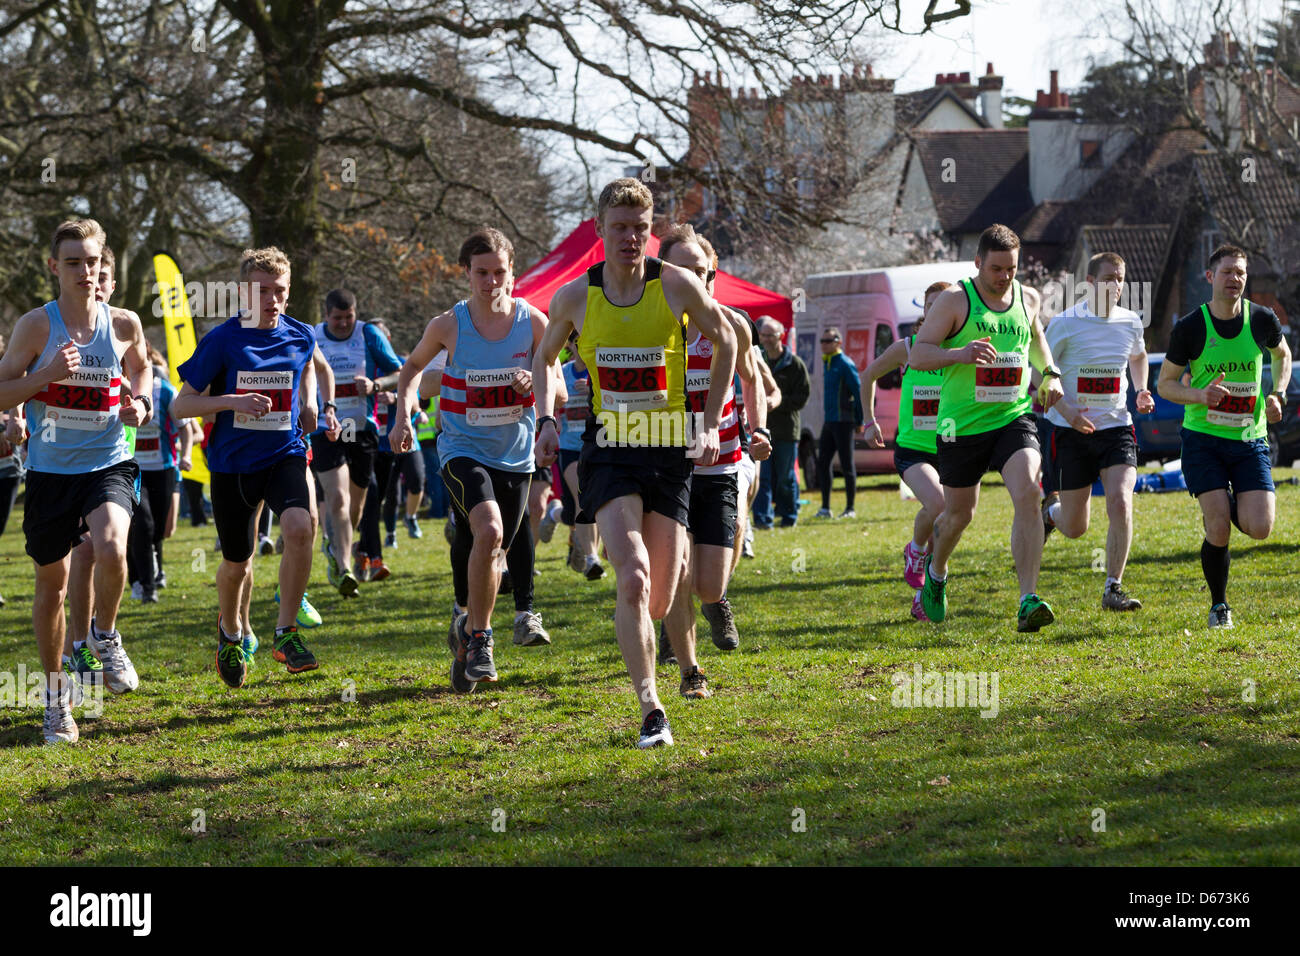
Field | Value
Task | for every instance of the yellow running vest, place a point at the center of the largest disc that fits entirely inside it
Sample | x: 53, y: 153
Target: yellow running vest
x: 636, y: 355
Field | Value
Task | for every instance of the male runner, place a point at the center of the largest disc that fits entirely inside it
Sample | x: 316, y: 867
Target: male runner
x: 364, y: 363
x: 634, y: 473
x: 1097, y: 343
x: 714, y: 501
x: 253, y: 377
x: 991, y: 323
x: 915, y: 457
x: 66, y: 360
x: 486, y: 442
x: 1225, y: 436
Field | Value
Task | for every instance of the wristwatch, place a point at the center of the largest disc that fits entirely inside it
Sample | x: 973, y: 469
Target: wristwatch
x: 327, y: 406
x: 764, y: 432
x: 543, y: 420
x: 1051, y: 370
x: 1280, y: 396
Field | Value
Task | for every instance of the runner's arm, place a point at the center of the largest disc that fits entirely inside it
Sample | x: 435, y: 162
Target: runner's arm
x: 1281, y: 365
x: 884, y: 363
x: 686, y: 294
x: 307, y: 410
x: 135, y: 364
x: 754, y: 392
x: 25, y: 346
x: 547, y: 351
x: 433, y: 341
x: 191, y: 403
x: 1171, y: 388
x: 945, y: 318
x: 324, y: 375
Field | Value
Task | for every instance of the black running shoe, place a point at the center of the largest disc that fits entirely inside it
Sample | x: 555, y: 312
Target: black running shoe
x: 458, y: 642
x: 478, y: 657
x: 507, y: 585
x: 655, y: 731
x: 292, y: 652
x: 722, y: 625
x: 666, y: 655
x: 231, y: 664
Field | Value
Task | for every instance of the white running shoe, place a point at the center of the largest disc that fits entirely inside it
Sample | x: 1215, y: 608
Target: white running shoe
x: 529, y: 631
x: 119, y: 673
x: 546, y: 528
x: 265, y: 545
x: 137, y: 591
x: 59, y: 727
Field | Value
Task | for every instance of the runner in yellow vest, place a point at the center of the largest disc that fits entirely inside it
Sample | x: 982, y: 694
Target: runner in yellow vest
x: 984, y: 421
x: 1225, y: 436
x: 634, y: 468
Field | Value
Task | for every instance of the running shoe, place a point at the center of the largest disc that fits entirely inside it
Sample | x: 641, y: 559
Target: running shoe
x: 458, y: 641
x: 348, y: 584
x: 119, y: 674
x: 308, y: 616
x: 529, y: 631
x: 595, y: 570
x: 84, y: 666
x: 722, y: 625
x: 666, y: 655
x: 150, y: 596
x: 823, y: 513
x: 1221, y: 616
x: 1048, y: 524
x: 250, y: 644
x: 478, y: 657
x: 58, y: 726
x: 390, y: 540
x: 137, y: 591
x: 934, y: 595
x: 279, y: 544
x: 231, y: 664
x: 160, y: 581
x: 292, y: 652
x: 848, y: 513
x: 1114, y: 598
x: 577, y: 561
x: 913, y: 566
x: 747, y: 545
x: 1034, y: 613
x: 918, y: 609
x: 265, y: 546
x: 378, y: 570
x: 694, y: 686
x: 546, y: 527
x: 507, y: 585
x: 413, y: 529
x: 361, y: 567
x: 655, y: 731
x: 332, y: 571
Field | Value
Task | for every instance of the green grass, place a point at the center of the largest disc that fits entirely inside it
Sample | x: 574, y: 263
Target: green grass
x: 1141, y: 716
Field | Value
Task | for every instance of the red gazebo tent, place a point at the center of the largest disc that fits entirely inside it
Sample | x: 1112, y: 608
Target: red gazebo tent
x: 582, y: 249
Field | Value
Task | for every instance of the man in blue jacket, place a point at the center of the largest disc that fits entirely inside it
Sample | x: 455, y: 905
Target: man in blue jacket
x: 842, y: 417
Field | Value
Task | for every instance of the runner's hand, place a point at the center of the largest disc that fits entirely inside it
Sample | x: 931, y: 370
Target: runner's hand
x: 874, y: 438
x: 760, y: 449
x: 132, y: 413
x: 706, y: 446
x: 253, y: 403
x: 15, y: 429
x: 1080, y: 422
x: 979, y: 352
x: 1050, y: 392
x: 365, y: 385
x: 1146, y: 403
x: 1214, y: 393
x: 1272, y: 410
x: 523, y: 381
x: 333, y: 428
x: 546, y: 446
x: 386, y: 397
x: 400, y: 437
x: 63, y: 363
x: 186, y: 462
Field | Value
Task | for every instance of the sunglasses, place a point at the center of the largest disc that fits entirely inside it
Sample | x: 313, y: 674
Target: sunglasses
x: 829, y: 341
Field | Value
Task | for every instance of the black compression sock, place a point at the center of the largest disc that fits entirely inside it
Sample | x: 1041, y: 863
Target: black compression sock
x: 1215, y: 562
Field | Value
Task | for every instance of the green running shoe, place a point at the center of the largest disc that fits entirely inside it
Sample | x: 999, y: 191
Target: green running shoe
x: 934, y: 595
x: 251, y: 644
x: 292, y: 652
x: 1034, y: 613
x: 231, y: 664
x: 347, y: 584
x: 84, y: 666
x: 308, y: 616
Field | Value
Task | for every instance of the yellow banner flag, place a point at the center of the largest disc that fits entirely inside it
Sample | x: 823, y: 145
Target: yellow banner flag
x: 179, y: 326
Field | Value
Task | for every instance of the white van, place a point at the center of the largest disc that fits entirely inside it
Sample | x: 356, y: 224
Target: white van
x: 872, y: 308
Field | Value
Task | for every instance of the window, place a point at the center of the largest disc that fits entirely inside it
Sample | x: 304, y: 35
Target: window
x: 1089, y: 153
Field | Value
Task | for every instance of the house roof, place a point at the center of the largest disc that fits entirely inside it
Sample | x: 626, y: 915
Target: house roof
x: 911, y: 108
x: 1255, y: 211
x: 1144, y: 248
x: 976, y: 176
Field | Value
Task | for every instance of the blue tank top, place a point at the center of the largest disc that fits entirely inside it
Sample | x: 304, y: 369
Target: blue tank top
x: 74, y: 422
x: 573, y: 417
x: 481, y: 416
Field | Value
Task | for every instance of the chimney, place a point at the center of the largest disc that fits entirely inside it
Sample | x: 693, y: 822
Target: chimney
x: 990, y: 97
x: 938, y: 79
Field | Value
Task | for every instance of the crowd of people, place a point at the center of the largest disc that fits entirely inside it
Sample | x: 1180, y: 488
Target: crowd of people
x: 660, y: 426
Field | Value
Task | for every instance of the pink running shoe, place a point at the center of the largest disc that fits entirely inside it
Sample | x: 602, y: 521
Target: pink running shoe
x: 918, y: 611
x: 913, y: 566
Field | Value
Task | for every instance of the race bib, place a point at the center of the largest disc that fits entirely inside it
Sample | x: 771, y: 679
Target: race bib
x: 1001, y: 381
x: 925, y: 407
x: 87, y: 400
x: 1237, y: 410
x: 148, y: 445
x: 1098, y: 386
x: 348, y: 401
x: 697, y: 388
x: 490, y: 399
x: 278, y: 387
x: 575, y: 409
x: 632, y: 379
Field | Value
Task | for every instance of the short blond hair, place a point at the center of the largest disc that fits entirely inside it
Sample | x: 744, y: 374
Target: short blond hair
x: 77, y: 229
x: 624, y: 192
x: 268, y: 259
x: 684, y: 232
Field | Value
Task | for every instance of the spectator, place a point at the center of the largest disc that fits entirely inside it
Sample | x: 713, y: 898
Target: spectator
x: 842, y: 417
x: 778, y: 488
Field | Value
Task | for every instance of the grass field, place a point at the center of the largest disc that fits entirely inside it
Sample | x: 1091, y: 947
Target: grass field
x: 800, y: 757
